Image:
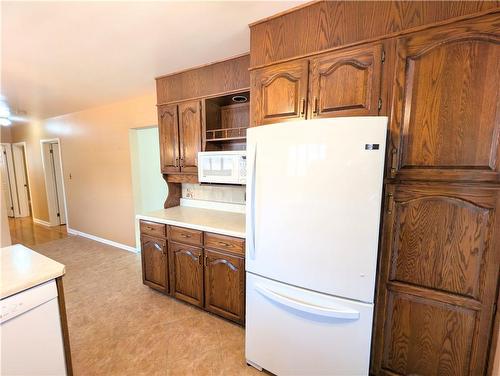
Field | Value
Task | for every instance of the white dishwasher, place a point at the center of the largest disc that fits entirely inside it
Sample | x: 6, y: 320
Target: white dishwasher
x: 31, y: 341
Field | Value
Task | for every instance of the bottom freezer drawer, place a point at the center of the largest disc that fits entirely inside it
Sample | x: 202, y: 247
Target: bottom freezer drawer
x: 293, y: 331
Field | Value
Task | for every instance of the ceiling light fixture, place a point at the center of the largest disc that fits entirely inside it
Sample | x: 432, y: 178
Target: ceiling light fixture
x: 5, y: 122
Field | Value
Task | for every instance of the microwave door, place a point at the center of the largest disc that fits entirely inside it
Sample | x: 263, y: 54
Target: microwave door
x: 218, y: 169
x: 221, y: 167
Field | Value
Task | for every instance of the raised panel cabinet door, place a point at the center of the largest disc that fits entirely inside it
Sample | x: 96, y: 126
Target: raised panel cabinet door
x: 346, y: 83
x: 438, y: 280
x: 168, y: 129
x: 154, y: 263
x: 446, y: 120
x: 279, y: 93
x: 225, y: 285
x: 186, y: 273
x: 190, y: 126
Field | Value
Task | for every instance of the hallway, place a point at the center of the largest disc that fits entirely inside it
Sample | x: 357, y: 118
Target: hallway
x: 25, y: 231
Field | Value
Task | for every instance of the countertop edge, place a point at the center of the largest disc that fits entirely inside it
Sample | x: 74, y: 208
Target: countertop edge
x: 236, y: 234
x: 16, y: 289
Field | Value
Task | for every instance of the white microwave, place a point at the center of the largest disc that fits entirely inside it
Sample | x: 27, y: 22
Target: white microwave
x: 222, y: 167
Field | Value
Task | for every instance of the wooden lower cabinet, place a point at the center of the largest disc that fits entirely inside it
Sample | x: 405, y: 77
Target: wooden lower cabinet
x: 200, y: 268
x: 438, y: 280
x: 186, y: 273
x: 154, y: 263
x: 225, y: 285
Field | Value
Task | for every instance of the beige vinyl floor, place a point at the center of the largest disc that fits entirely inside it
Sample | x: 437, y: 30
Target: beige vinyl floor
x: 118, y: 326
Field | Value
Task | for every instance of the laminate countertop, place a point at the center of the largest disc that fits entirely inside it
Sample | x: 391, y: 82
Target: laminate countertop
x: 217, y: 221
x: 23, y: 268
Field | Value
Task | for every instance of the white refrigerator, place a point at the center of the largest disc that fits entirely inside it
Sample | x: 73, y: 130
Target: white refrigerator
x: 314, y: 191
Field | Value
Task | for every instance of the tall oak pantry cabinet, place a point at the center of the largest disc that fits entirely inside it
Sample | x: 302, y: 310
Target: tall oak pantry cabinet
x: 434, y: 69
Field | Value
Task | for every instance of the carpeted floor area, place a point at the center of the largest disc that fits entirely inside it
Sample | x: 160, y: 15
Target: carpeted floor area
x: 118, y: 326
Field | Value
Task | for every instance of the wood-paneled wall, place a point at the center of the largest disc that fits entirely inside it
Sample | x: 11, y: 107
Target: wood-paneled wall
x: 328, y: 24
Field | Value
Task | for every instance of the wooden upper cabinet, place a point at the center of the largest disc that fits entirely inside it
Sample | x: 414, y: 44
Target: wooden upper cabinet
x: 346, y: 83
x: 186, y: 273
x: 154, y: 262
x: 168, y: 130
x: 437, y: 280
x: 279, y: 92
x: 225, y: 285
x: 446, y: 103
x: 190, y: 128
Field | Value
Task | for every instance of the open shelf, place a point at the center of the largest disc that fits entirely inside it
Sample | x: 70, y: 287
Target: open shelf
x: 226, y: 134
x: 226, y: 122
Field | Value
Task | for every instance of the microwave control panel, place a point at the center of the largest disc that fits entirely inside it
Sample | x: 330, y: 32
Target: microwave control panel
x: 243, y: 170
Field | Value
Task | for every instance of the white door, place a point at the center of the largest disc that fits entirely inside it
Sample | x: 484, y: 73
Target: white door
x: 53, y: 181
x: 292, y: 331
x: 58, y: 177
x: 21, y: 180
x: 314, y: 193
x: 8, y: 180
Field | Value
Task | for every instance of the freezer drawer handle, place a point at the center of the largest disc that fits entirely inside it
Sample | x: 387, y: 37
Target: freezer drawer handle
x: 340, y: 313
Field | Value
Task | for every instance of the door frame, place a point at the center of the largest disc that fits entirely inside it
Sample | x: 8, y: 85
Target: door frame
x: 49, y: 189
x: 11, y: 177
x: 26, y: 168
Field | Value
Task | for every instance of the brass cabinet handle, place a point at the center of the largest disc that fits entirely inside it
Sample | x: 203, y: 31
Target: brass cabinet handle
x: 182, y: 162
x: 394, y: 161
x: 177, y: 162
x: 315, y: 108
x: 390, y: 204
x: 185, y: 236
x: 303, y: 111
x: 224, y: 244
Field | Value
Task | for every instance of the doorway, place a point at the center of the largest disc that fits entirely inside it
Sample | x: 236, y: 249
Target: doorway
x: 148, y: 187
x: 54, y: 184
x: 22, y: 182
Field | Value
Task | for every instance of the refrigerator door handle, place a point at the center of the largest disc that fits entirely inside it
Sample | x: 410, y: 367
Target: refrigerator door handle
x: 251, y: 209
x: 313, y: 308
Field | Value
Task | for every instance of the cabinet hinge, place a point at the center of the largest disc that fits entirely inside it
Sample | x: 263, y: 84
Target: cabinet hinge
x: 383, y: 56
x: 379, y: 104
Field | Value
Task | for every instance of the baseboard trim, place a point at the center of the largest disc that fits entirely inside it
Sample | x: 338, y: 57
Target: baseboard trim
x: 41, y: 222
x: 102, y: 240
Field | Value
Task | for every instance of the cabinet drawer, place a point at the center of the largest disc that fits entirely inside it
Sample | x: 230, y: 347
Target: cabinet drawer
x: 224, y: 242
x: 152, y: 228
x: 185, y: 235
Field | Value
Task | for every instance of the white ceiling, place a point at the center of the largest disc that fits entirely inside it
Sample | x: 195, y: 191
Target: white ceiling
x: 59, y: 57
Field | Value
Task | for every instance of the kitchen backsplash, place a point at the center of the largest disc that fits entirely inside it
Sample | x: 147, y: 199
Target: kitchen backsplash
x: 216, y: 193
